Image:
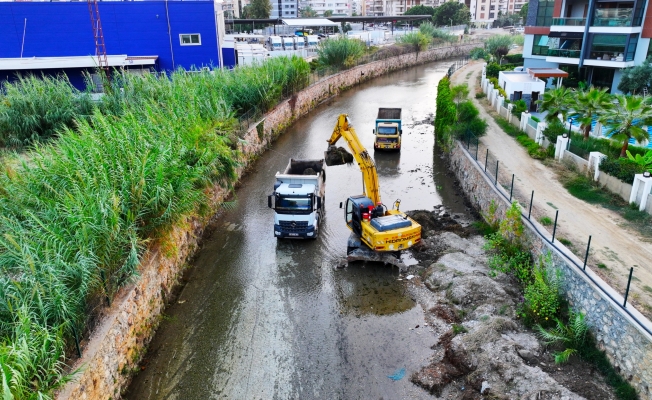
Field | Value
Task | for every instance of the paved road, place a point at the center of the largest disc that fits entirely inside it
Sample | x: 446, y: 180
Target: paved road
x: 261, y: 318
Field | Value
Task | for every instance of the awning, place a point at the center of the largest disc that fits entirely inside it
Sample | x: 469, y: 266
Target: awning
x: 13, y: 64
x: 547, y: 73
x: 300, y: 22
x: 566, y: 35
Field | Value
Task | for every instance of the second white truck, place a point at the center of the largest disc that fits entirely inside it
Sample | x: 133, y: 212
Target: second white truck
x: 298, y: 199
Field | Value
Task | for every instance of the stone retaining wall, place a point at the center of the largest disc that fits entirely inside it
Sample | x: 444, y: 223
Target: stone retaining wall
x: 112, y: 354
x: 628, y: 346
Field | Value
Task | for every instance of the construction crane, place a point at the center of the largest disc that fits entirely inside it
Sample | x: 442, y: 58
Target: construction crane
x: 377, y: 232
x: 98, y: 36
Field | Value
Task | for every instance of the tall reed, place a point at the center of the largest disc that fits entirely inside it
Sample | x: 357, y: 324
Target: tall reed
x: 76, y: 213
x: 33, y: 109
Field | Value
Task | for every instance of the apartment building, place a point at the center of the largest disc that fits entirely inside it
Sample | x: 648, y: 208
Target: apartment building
x: 598, y: 39
x: 284, y: 9
x: 338, y: 7
x: 484, y: 12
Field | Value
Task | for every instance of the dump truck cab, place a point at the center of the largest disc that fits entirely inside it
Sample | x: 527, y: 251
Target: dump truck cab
x: 388, y: 129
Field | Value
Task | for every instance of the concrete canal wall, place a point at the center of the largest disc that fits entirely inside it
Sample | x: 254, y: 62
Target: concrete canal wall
x: 116, y: 346
x: 627, y: 344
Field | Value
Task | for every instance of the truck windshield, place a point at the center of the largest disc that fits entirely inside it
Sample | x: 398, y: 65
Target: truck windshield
x: 295, y: 205
x: 386, y: 131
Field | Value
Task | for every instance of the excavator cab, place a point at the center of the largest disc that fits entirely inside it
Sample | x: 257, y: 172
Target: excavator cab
x: 356, y: 211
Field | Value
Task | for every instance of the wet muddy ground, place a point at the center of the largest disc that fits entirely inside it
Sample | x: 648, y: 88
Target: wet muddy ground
x: 261, y: 318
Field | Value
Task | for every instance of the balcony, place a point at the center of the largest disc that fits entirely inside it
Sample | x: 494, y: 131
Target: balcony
x: 569, y: 21
x: 564, y: 53
x: 614, y: 17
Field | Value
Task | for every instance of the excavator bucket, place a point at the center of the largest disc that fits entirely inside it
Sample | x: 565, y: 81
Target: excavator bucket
x: 337, y: 156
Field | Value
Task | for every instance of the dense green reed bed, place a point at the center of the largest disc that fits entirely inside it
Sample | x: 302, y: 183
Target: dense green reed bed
x: 76, y: 216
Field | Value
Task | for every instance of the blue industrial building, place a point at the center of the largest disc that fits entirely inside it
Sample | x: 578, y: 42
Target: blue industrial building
x: 56, y: 37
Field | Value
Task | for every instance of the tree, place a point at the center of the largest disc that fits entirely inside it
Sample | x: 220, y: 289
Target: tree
x: 451, y: 13
x: 328, y: 13
x: 497, y: 44
x: 308, y: 12
x: 257, y: 9
x: 346, y: 27
x: 636, y: 78
x: 420, y: 10
x: 557, y: 102
x: 523, y: 12
x: 417, y: 40
x: 460, y: 92
x: 625, y: 120
x: 589, y: 104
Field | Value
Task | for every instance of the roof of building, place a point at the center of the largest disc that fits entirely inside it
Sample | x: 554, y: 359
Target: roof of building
x: 547, y: 73
x: 300, y: 22
x: 73, y: 62
x: 518, y: 76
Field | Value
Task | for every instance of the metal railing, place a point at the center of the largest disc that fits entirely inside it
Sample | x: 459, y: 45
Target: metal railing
x: 564, y: 53
x: 569, y: 21
x: 504, y: 182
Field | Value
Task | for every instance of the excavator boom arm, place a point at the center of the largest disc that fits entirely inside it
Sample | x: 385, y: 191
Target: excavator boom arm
x: 344, y: 129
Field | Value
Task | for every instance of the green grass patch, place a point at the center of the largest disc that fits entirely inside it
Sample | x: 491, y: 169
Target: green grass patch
x: 459, y: 328
x: 602, y: 266
x: 647, y: 288
x: 533, y: 149
x: 552, y: 205
x: 545, y: 221
x: 565, y: 242
x: 584, y: 189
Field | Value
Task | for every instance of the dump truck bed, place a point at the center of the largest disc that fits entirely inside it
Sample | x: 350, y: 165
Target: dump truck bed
x: 389, y: 113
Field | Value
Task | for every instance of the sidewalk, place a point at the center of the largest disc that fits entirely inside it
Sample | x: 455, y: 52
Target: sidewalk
x: 612, y: 243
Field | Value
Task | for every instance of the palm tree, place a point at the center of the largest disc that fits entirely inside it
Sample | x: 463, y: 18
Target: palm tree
x: 625, y: 120
x: 587, y: 105
x: 556, y: 102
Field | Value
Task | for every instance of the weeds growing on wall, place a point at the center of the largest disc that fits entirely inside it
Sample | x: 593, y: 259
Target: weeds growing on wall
x: 542, y: 307
x: 75, y: 217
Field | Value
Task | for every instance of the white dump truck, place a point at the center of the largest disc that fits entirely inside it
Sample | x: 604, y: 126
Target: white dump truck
x: 298, y: 199
x: 288, y: 42
x: 274, y: 43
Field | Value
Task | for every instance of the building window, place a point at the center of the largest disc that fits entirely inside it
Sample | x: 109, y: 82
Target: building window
x: 540, y: 45
x: 491, y: 15
x: 481, y: 8
x: 481, y: 15
x: 544, y: 13
x: 614, y: 47
x: 492, y: 7
x: 190, y: 39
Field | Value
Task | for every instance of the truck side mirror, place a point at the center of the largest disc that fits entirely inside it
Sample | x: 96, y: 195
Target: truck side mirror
x: 318, y: 202
x: 271, y: 203
x: 374, y: 132
x: 400, y: 132
x: 340, y: 204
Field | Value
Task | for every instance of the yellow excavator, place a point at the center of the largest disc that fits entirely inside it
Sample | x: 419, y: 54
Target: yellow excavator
x: 378, y: 233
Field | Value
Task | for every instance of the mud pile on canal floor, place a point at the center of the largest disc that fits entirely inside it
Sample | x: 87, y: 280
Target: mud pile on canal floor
x: 483, y: 350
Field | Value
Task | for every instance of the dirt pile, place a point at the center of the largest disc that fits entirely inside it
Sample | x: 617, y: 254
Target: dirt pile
x: 337, y: 156
x: 483, y: 351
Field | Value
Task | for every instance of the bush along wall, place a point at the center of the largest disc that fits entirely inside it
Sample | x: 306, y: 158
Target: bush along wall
x: 77, y: 215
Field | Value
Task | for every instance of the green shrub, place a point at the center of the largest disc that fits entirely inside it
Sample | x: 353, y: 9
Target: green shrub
x: 446, y: 113
x: 621, y: 168
x: 520, y: 106
x: 514, y: 58
x: 510, y: 129
x: 466, y: 110
x: 480, y: 95
x: 36, y: 109
x: 554, y: 129
x: 572, y: 336
x: 533, y: 149
x: 340, y: 52
x: 493, y: 69
x: 535, y: 119
x: 545, y: 221
x: 477, y: 126
x: 478, y: 53
x: 541, y: 295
